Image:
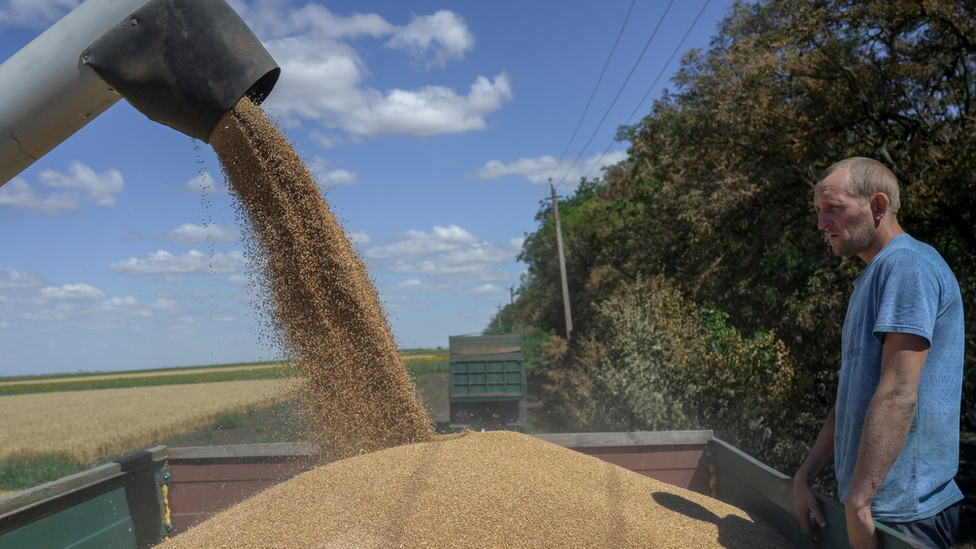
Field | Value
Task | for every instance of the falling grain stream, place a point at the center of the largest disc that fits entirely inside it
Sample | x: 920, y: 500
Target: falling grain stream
x: 320, y: 302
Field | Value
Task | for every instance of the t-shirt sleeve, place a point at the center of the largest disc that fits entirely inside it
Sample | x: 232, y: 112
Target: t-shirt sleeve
x: 908, y: 297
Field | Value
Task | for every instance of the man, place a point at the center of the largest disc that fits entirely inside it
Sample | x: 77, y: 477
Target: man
x: 893, y: 433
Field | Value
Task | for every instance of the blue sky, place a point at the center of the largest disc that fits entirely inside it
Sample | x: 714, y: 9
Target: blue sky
x: 432, y: 127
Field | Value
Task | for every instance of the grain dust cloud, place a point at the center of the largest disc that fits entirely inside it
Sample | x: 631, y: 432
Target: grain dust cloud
x: 320, y: 300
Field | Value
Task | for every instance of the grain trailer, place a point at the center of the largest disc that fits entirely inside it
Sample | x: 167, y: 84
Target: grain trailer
x: 139, y: 501
x: 486, y: 382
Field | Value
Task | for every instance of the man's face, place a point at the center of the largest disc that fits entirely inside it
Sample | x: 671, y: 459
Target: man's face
x: 847, y: 222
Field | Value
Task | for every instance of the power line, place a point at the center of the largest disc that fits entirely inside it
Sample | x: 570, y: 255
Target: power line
x: 598, y: 81
x: 622, y: 86
x: 675, y: 52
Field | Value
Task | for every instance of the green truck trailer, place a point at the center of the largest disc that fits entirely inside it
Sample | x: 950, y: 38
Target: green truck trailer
x: 486, y: 384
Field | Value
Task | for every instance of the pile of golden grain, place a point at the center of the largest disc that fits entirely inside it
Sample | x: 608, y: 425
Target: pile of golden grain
x: 495, y: 489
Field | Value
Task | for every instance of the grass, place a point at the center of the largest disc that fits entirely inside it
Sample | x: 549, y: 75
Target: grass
x: 227, y: 419
x: 293, y: 429
x: 23, y: 472
x: 19, y: 473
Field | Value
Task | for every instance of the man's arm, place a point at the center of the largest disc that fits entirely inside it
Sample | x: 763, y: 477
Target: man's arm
x: 889, y: 417
x: 805, y: 502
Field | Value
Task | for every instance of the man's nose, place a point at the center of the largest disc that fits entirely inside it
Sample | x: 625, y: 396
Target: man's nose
x: 823, y: 220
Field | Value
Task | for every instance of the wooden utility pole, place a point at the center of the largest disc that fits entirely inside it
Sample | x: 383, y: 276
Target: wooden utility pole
x: 562, y: 265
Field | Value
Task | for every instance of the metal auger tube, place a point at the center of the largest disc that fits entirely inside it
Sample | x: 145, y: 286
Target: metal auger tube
x: 182, y: 63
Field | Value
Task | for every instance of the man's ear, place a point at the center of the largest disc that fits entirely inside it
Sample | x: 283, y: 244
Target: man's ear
x: 879, y: 207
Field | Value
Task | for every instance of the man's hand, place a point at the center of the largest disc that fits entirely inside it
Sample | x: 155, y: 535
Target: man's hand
x: 860, y: 528
x: 808, y: 511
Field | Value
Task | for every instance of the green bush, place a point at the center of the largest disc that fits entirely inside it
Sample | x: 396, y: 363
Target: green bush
x: 657, y: 362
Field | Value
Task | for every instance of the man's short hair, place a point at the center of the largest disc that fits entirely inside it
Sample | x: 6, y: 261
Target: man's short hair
x: 867, y: 178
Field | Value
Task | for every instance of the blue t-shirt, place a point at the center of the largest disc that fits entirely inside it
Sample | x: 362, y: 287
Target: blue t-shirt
x: 906, y: 288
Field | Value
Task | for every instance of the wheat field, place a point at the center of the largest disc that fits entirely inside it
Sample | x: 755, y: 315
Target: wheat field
x: 86, y: 425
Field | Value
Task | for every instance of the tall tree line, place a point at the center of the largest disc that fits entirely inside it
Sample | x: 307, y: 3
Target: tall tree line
x: 714, y: 206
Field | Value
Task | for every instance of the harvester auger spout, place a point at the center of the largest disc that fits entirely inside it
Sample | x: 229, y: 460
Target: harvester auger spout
x: 182, y: 63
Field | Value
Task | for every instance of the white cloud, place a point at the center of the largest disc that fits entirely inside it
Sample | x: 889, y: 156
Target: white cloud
x: 237, y: 280
x: 411, y: 285
x: 359, y: 238
x: 79, y: 291
x: 164, y: 263
x: 327, y: 177
x: 267, y: 20
x: 339, y: 178
x: 183, y: 324
x: 440, y: 37
x: 127, y: 306
x: 428, y: 111
x: 28, y: 301
x: 414, y: 243
x: 323, y: 74
x: 34, y: 13
x: 19, y: 195
x: 535, y: 170
x: 205, y: 184
x: 18, y: 295
x: 447, y: 252
x: 327, y: 87
x: 444, y: 32
x: 403, y: 303
x: 12, y: 279
x: 166, y: 304
x: 484, y: 289
x: 416, y: 286
x: 320, y: 79
x: 81, y: 185
x: 189, y: 233
x: 538, y: 170
x: 326, y: 141
x: 72, y: 307
x: 100, y: 188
